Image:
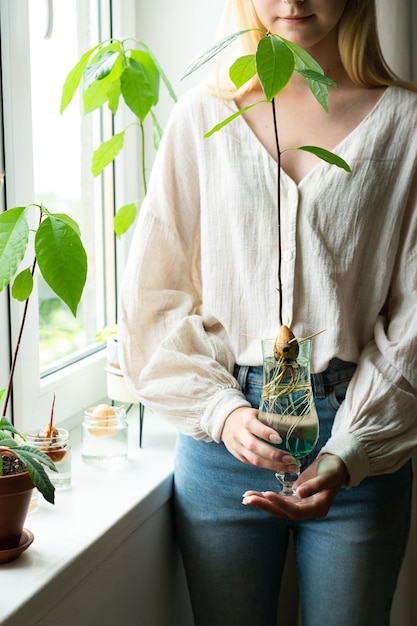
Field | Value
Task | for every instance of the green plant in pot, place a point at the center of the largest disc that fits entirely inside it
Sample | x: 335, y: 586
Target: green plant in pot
x: 55, y: 247
x: 21, y: 469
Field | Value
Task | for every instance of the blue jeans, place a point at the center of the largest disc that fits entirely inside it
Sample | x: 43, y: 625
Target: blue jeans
x: 348, y: 563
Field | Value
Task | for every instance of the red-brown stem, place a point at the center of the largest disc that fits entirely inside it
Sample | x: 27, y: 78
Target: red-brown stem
x: 279, y: 280
x: 16, y: 350
x: 51, y: 418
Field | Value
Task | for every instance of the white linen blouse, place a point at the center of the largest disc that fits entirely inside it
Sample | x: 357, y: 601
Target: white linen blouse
x: 200, y: 288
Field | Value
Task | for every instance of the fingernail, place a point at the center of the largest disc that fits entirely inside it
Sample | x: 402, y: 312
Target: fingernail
x: 287, y: 459
x: 275, y: 438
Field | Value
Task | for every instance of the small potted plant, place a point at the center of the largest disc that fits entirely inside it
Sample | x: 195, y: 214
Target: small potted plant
x: 21, y: 469
x: 58, y: 252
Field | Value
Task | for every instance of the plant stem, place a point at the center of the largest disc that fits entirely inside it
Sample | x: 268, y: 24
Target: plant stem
x: 279, y: 280
x: 16, y: 350
x: 145, y: 186
x: 51, y: 418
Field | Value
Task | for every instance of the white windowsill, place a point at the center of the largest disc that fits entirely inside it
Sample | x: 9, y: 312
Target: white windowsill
x: 89, y: 520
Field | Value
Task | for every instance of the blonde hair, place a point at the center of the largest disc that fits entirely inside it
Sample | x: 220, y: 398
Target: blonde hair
x: 359, y: 46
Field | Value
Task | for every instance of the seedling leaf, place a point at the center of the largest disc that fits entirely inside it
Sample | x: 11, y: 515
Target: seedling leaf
x: 242, y: 70
x: 107, y: 152
x: 124, y: 218
x: 60, y: 252
x: 274, y: 65
x: 327, y: 156
x: 211, y: 52
x: 14, y: 237
x: 23, y: 285
x: 73, y: 79
x: 229, y: 119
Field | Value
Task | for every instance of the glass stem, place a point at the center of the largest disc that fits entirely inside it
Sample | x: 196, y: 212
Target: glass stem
x: 287, y: 480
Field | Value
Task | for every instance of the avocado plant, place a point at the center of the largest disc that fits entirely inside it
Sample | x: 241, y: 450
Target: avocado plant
x: 56, y: 248
x: 111, y: 71
x: 273, y: 63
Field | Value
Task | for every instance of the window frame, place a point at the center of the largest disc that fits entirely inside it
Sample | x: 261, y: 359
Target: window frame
x: 82, y: 383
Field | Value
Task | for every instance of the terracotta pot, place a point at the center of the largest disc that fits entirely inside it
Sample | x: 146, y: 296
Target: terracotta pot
x: 15, y: 494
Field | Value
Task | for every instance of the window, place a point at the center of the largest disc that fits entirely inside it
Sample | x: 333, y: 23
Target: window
x: 47, y: 159
x: 62, y: 146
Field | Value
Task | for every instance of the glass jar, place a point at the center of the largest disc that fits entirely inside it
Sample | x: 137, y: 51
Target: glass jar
x: 104, y: 435
x: 58, y: 449
x: 287, y: 402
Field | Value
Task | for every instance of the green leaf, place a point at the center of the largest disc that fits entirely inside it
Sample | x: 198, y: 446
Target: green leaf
x: 107, y: 152
x: 212, y: 52
x: 2, y: 396
x: 37, y: 473
x: 124, y: 218
x: 274, y: 65
x: 242, y: 70
x: 137, y: 90
x: 62, y: 260
x: 113, y: 96
x: 327, y: 156
x: 316, y: 76
x: 8, y: 442
x: 101, y: 79
x: 157, y: 131
x: 161, y: 72
x: 14, y: 237
x: 38, y: 454
x: 101, y: 68
x: 143, y: 61
x: 68, y: 220
x: 94, y: 97
x: 230, y: 119
x: 6, y: 425
x: 305, y: 63
x: 73, y: 79
x: 23, y: 285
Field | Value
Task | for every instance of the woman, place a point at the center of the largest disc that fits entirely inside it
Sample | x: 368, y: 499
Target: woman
x: 200, y: 292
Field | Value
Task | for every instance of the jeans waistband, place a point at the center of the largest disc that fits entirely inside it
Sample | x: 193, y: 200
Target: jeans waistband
x: 337, y: 372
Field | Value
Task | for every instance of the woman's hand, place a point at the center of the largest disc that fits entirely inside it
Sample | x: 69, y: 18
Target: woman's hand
x: 317, y: 486
x: 246, y: 438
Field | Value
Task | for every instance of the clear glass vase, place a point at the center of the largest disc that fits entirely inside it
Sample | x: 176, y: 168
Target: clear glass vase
x: 287, y: 404
x: 58, y: 448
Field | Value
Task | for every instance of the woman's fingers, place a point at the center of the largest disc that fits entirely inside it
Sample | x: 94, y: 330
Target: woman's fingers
x: 317, y: 488
x: 249, y: 440
x: 288, y: 507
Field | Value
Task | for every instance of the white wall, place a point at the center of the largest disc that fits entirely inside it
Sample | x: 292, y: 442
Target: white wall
x: 395, y: 27
x: 178, y: 32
